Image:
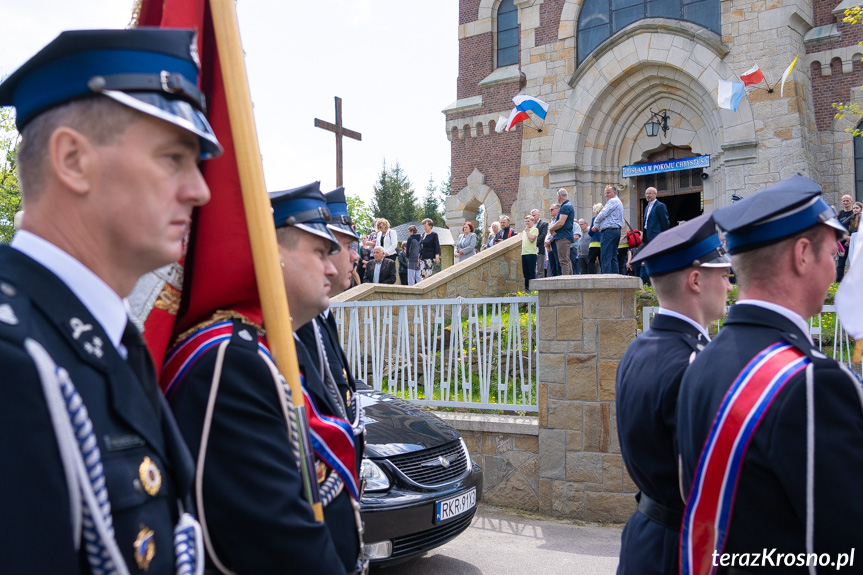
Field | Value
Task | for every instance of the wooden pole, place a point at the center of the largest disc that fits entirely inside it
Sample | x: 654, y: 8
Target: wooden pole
x: 262, y: 232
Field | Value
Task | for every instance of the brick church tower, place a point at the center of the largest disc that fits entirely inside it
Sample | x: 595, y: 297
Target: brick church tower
x: 607, y: 68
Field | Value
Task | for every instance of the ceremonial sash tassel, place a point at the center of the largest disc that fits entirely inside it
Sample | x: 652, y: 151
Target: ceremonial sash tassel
x: 333, y: 442
x: 708, y: 511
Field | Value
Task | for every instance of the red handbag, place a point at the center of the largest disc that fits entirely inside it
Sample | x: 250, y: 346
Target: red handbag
x: 633, y: 237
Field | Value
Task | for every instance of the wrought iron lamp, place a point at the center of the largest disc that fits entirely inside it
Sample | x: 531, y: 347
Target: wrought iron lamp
x: 657, y: 120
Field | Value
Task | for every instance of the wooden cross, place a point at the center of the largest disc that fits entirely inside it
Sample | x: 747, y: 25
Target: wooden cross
x: 339, y: 131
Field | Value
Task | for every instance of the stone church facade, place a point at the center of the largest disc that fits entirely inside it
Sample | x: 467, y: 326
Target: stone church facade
x: 606, y: 66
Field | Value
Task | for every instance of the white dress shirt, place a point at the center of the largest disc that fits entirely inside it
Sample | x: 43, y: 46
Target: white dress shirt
x: 687, y: 319
x: 647, y: 212
x: 101, y: 301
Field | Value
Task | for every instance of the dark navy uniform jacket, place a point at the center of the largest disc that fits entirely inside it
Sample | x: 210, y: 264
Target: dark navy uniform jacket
x: 648, y: 379
x: 770, y: 503
x: 256, y: 511
x: 34, y: 499
x: 339, y: 367
x: 335, y: 356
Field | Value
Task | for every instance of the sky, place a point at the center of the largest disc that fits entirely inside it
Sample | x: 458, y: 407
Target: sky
x: 393, y: 64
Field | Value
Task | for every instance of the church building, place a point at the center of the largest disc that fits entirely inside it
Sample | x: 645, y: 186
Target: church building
x: 631, y: 87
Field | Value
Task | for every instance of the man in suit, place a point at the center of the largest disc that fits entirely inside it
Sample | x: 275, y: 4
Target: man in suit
x: 380, y: 270
x: 231, y: 396
x: 655, y: 216
x: 542, y: 226
x: 94, y: 469
x: 655, y: 222
x: 689, y: 270
x: 769, y: 428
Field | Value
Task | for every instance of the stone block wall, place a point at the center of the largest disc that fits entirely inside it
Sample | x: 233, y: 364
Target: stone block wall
x: 507, y: 448
x: 585, y: 325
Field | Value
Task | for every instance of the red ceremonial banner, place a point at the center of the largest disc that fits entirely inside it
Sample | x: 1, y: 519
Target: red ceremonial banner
x: 218, y: 268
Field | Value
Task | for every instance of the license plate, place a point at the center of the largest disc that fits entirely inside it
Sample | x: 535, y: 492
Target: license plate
x: 455, y: 506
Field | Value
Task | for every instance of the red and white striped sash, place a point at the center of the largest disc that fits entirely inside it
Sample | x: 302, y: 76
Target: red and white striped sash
x: 711, y: 501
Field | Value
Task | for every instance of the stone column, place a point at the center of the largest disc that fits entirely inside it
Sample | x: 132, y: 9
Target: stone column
x: 585, y: 325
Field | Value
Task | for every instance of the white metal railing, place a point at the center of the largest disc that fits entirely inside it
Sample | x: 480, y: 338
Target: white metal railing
x: 843, y: 345
x: 471, y: 353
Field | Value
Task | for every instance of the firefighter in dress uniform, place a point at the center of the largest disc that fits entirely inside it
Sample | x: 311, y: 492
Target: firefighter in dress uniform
x: 688, y: 268
x: 96, y: 476
x: 236, y: 413
x: 321, y: 336
x: 770, y: 429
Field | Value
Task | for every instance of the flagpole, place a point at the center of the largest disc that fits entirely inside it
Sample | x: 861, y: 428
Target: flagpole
x: 262, y: 233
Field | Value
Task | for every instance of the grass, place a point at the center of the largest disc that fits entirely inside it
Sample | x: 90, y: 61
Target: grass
x: 497, y: 337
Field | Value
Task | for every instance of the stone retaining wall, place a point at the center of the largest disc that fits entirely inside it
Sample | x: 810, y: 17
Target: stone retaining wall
x: 507, y: 448
x: 490, y: 273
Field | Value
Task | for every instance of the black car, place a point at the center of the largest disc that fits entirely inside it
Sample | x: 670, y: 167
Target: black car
x: 421, y: 487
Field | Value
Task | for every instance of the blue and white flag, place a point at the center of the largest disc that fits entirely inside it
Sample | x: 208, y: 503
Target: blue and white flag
x: 729, y: 95
x: 525, y: 103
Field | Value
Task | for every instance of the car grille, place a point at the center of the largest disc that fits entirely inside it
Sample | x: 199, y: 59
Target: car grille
x: 438, y: 535
x: 426, y: 468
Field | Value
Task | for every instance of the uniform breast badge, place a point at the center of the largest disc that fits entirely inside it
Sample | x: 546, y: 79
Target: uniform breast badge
x: 145, y: 548
x: 151, y: 477
x: 320, y: 471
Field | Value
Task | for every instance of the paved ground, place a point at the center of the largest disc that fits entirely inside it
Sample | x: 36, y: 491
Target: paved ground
x: 503, y: 542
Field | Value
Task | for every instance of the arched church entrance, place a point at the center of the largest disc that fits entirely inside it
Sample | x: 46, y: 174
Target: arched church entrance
x: 682, y: 191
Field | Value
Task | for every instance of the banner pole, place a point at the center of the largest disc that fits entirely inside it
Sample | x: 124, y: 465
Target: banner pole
x: 262, y: 232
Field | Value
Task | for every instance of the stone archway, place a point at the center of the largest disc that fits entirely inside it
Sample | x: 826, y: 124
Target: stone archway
x: 611, y: 100
x: 465, y: 205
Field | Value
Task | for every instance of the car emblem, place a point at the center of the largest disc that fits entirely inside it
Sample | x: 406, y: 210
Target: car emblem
x: 440, y: 460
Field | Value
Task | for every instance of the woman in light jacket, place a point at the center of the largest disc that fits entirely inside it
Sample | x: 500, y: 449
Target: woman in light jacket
x: 466, y: 244
x: 492, y: 232
x: 387, y: 239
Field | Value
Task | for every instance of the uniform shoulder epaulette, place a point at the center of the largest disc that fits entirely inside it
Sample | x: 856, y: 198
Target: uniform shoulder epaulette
x: 816, y: 356
x: 14, y: 313
x: 244, y: 335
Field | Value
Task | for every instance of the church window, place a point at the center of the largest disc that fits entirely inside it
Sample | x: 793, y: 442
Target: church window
x: 600, y: 19
x: 507, y: 33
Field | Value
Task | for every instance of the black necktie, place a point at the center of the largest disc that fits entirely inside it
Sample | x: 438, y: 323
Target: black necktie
x: 138, y: 358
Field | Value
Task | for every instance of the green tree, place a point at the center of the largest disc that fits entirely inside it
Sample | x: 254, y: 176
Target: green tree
x: 10, y: 190
x: 360, y: 213
x: 446, y: 184
x: 432, y: 206
x: 394, y: 197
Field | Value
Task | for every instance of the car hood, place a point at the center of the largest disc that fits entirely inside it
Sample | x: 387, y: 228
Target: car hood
x: 395, y: 426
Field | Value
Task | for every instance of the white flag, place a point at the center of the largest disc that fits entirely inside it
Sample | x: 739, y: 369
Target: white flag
x: 785, y: 76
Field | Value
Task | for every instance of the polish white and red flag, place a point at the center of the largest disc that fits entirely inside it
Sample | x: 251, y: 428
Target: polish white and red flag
x: 753, y: 76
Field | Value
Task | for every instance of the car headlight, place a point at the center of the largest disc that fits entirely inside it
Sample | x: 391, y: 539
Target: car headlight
x: 374, y: 477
